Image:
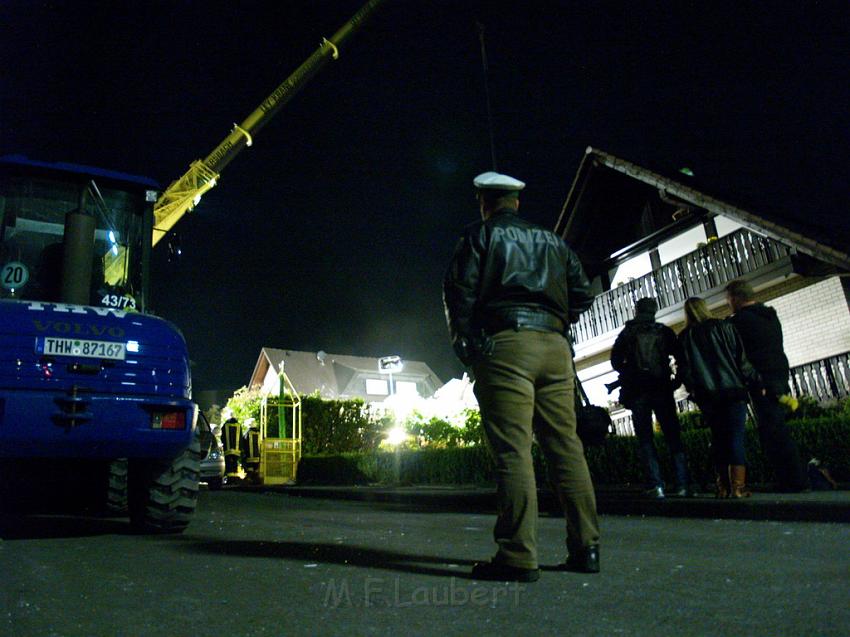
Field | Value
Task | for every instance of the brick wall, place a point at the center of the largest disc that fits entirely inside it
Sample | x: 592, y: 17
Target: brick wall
x: 815, y: 321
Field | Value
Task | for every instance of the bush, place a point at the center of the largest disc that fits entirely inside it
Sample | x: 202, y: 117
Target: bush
x: 615, y: 462
x: 439, y: 433
x: 337, y: 426
x: 245, y: 403
x: 691, y: 420
x: 470, y: 465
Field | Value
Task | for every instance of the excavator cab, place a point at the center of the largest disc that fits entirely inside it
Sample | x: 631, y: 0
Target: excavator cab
x: 74, y: 234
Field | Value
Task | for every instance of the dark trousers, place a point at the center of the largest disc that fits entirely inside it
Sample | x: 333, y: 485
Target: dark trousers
x: 527, y: 386
x: 726, y: 419
x: 662, y: 403
x: 777, y: 444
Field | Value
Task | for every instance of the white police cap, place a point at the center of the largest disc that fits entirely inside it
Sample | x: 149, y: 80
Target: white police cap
x: 496, y: 181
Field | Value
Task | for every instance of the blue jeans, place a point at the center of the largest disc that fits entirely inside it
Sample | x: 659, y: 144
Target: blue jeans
x: 726, y: 419
x: 662, y: 403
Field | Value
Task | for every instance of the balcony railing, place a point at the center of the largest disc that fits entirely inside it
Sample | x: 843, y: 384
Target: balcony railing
x: 826, y: 379
x: 707, y: 268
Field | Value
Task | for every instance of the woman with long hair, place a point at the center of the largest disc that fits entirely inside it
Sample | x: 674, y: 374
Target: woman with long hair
x: 718, y: 376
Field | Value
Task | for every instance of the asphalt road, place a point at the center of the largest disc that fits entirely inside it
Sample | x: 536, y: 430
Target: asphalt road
x: 274, y: 564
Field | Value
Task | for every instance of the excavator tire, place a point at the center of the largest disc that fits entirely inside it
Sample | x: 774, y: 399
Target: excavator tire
x: 116, y: 488
x: 163, y: 494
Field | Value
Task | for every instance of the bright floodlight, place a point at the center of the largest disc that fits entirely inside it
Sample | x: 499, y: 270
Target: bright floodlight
x: 396, y: 436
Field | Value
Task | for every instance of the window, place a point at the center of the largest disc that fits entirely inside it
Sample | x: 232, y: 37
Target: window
x: 32, y: 225
x: 376, y: 387
x: 405, y: 388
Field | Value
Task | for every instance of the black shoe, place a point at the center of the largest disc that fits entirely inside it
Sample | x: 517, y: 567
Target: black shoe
x: 685, y: 492
x: 585, y: 560
x: 504, y: 573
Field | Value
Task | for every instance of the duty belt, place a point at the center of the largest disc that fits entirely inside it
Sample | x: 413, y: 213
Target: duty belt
x: 519, y: 320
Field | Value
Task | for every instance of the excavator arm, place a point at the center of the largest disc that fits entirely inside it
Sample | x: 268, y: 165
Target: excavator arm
x: 185, y: 193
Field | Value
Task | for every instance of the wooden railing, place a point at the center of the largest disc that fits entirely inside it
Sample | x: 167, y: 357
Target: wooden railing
x: 824, y: 380
x: 707, y: 268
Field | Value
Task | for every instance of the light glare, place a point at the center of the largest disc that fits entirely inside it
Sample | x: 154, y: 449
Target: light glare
x: 396, y: 436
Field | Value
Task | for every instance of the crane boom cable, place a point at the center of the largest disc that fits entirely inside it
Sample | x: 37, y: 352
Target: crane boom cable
x: 184, y: 194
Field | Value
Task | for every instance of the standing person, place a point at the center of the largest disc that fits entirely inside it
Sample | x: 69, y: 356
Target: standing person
x: 510, y: 292
x: 761, y: 333
x: 718, y: 375
x: 642, y: 355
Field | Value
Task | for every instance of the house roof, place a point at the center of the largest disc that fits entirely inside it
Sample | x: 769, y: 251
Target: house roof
x: 614, y: 204
x: 331, y: 374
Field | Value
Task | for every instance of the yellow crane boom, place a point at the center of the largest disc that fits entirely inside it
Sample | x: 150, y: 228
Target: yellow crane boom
x: 185, y: 193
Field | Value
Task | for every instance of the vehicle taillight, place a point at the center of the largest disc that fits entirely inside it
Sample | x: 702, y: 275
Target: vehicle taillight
x: 168, y: 420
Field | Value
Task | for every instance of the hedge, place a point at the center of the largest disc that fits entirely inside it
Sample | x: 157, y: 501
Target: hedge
x: 337, y: 426
x: 616, y: 462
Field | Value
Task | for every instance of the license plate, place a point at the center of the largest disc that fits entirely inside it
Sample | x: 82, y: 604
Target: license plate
x: 86, y: 349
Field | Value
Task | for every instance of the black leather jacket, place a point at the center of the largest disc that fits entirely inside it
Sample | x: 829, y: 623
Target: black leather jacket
x: 761, y: 333
x: 508, y: 272
x: 714, y: 365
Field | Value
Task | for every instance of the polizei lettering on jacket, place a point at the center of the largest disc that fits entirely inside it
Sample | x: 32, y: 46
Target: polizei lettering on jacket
x: 527, y: 235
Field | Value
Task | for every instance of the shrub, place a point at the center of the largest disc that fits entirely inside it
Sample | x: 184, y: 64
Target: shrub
x: 337, y: 426
x: 470, y: 465
x: 615, y: 462
x: 691, y: 420
x: 442, y: 434
x: 245, y: 403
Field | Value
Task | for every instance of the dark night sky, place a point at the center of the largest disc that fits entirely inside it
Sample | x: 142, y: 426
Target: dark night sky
x: 333, y: 231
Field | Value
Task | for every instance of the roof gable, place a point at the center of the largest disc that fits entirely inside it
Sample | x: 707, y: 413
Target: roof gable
x: 614, y: 204
x: 334, y: 375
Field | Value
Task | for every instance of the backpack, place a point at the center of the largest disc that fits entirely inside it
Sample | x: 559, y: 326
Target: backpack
x: 648, y: 359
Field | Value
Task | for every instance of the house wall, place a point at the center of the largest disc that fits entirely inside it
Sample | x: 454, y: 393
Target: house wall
x: 271, y: 382
x: 815, y: 321
x: 593, y: 381
x: 725, y: 225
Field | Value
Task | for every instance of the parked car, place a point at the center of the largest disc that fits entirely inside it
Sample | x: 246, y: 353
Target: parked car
x: 212, y: 455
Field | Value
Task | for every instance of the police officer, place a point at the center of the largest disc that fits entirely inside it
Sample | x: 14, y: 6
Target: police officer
x: 510, y: 292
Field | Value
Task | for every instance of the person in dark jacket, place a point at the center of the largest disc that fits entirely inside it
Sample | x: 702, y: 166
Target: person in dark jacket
x: 718, y: 377
x: 510, y: 292
x: 642, y: 355
x: 761, y: 333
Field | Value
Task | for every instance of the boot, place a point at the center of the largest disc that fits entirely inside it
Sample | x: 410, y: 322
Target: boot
x: 722, y: 485
x: 738, y: 473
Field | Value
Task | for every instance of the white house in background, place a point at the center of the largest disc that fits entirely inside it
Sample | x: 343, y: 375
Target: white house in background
x: 342, y: 376
x: 639, y: 233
